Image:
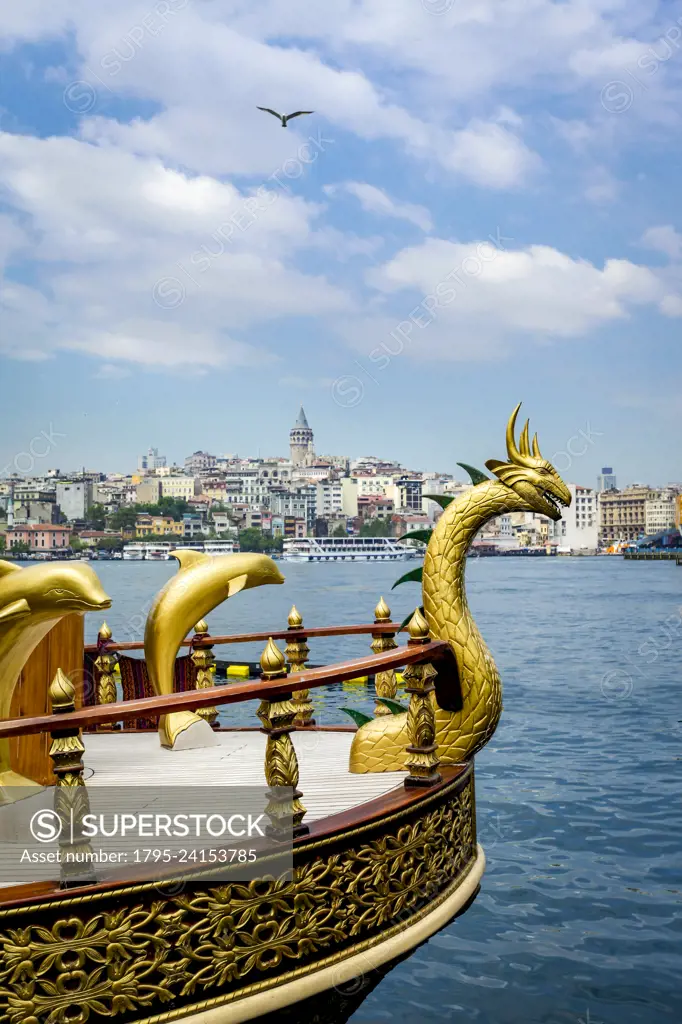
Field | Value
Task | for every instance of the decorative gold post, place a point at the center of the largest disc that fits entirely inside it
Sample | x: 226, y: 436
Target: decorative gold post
x: 203, y: 658
x: 281, y: 764
x: 422, y: 760
x: 385, y: 683
x: 71, y: 797
x: 105, y: 681
x: 297, y: 652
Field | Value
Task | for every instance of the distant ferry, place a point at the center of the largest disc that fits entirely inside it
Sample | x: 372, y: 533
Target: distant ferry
x: 346, y: 549
x: 160, y: 551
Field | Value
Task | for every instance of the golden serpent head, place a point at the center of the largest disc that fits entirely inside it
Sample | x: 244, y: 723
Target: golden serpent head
x: 532, y: 478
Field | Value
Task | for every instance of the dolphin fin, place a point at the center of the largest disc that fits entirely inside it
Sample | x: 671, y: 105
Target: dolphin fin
x: 237, y: 584
x: 188, y: 559
x: 7, y: 567
x: 14, y: 610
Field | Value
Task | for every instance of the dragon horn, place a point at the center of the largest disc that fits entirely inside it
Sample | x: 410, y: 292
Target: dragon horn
x: 536, y: 447
x: 512, y: 451
x: 524, y: 446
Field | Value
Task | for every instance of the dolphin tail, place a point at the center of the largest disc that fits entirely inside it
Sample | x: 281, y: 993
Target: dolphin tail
x: 183, y: 730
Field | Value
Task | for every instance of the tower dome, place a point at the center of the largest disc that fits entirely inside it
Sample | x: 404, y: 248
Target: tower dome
x: 301, y: 441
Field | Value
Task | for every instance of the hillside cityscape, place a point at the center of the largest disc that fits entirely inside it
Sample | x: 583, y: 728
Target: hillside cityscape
x: 259, y: 503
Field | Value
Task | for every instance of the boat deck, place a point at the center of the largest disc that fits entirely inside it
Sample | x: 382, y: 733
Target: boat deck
x: 135, y: 759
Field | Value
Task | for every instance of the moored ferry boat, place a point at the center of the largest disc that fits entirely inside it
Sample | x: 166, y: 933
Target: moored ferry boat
x: 347, y: 549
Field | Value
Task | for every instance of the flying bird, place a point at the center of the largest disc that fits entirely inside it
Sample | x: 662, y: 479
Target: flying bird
x: 285, y: 117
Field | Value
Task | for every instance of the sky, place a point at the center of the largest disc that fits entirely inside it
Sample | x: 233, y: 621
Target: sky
x: 484, y: 208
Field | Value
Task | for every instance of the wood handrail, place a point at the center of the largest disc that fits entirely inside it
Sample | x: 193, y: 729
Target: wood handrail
x: 276, y: 634
x: 234, y: 693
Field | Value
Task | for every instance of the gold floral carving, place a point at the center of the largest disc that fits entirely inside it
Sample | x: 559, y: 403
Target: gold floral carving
x: 133, y: 953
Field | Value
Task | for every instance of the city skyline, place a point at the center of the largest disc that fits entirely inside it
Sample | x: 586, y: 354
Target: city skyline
x: 444, y: 237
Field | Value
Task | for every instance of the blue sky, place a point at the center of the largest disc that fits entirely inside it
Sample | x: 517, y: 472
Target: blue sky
x: 484, y: 208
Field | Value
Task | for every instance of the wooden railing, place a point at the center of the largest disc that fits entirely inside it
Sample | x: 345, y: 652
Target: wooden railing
x: 104, y: 654
x: 284, y: 700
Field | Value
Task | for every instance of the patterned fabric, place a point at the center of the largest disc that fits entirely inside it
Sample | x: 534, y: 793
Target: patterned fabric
x: 135, y: 684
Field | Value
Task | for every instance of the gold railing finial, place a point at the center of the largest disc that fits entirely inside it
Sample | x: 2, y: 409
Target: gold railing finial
x: 382, y: 613
x: 272, y: 661
x: 104, y: 632
x: 418, y: 628
x: 62, y: 694
x: 295, y: 620
x: 201, y: 627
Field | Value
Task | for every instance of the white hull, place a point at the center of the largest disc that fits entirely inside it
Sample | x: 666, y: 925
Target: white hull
x: 351, y: 549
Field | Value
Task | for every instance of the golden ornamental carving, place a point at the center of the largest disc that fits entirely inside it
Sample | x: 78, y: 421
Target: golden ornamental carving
x: 105, y: 680
x: 422, y: 759
x: 201, y: 584
x: 297, y: 652
x: 525, y: 483
x: 202, y: 659
x: 135, y: 953
x: 32, y: 601
x: 385, y: 683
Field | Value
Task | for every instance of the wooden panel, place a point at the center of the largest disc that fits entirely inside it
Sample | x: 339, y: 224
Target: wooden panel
x: 61, y: 648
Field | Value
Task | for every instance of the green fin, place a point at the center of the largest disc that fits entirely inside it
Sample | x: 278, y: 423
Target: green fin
x: 406, y: 620
x: 477, y: 477
x: 422, y: 535
x: 440, y: 499
x: 413, y: 576
x: 393, y: 706
x: 358, y: 717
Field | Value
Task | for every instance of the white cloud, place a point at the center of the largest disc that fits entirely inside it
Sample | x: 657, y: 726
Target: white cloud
x: 489, y: 155
x: 472, y: 299
x: 375, y: 200
x: 142, y: 263
x: 664, y: 238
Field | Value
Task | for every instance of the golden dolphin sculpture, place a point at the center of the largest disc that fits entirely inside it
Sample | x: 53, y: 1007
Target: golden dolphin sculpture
x: 32, y: 601
x: 202, y: 582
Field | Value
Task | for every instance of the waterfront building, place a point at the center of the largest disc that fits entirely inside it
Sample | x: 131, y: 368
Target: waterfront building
x: 659, y: 514
x: 147, y: 525
x: 578, y: 528
x: 184, y: 487
x: 622, y: 514
x: 301, y: 441
x: 41, y: 538
x: 151, y: 461
x: 606, y: 481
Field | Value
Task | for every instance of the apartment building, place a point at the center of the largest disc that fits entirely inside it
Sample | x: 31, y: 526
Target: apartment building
x: 622, y: 514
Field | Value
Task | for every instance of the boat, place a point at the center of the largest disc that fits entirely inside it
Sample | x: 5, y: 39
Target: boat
x: 361, y: 840
x: 346, y: 549
x: 160, y: 551
x: 133, y: 552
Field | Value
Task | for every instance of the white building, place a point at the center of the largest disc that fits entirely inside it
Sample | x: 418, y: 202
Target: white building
x: 659, y: 515
x: 578, y: 528
x: 374, y: 485
x: 152, y: 460
x: 74, y: 499
x: 329, y: 499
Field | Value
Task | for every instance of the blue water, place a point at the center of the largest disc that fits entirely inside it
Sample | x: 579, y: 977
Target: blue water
x: 578, y: 794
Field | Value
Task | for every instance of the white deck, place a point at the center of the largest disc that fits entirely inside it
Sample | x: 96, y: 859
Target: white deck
x: 136, y: 759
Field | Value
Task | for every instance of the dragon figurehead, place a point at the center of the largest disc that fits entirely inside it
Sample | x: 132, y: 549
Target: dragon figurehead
x: 525, y: 483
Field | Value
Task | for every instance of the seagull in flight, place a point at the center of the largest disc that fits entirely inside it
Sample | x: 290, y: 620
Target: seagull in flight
x: 285, y: 117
